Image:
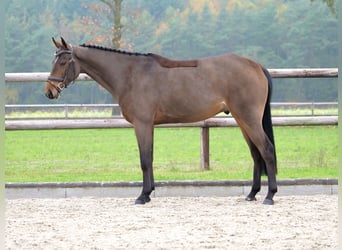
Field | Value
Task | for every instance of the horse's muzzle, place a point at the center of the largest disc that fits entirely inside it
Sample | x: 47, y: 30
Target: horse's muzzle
x: 51, y: 91
x: 49, y: 94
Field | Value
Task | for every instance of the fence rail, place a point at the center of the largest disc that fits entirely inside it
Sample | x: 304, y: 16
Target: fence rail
x: 204, y: 125
x: 122, y: 123
x: 71, y: 111
x: 275, y: 73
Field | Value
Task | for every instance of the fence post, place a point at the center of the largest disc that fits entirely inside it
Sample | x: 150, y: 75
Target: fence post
x: 205, y: 148
x: 66, y: 111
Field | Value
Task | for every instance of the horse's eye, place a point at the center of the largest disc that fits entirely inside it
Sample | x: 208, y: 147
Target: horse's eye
x: 63, y: 62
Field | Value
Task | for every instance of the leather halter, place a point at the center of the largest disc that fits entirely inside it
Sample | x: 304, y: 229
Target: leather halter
x: 60, y: 85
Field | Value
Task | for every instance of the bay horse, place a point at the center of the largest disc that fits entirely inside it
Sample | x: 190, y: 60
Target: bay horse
x: 152, y: 89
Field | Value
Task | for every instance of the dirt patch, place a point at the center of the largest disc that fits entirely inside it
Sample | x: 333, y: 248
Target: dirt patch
x: 294, y: 222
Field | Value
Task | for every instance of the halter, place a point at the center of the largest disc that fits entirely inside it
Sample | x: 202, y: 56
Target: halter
x: 60, y: 85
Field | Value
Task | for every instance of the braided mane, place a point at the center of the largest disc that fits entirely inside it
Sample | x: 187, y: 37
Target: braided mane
x: 163, y: 61
x: 114, y: 50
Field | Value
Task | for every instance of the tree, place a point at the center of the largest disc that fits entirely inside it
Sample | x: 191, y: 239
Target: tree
x: 275, y: 33
x: 331, y: 5
x: 115, y: 8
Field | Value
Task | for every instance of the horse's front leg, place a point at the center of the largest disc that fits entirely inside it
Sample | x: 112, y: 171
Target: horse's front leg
x: 144, y: 134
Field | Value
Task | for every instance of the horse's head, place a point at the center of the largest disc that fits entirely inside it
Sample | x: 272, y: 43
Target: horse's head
x: 64, y: 70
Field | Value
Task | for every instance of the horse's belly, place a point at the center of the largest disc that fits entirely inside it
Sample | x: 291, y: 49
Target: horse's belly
x: 187, y: 113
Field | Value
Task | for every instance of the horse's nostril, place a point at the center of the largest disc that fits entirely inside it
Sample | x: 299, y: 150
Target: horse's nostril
x: 49, y: 94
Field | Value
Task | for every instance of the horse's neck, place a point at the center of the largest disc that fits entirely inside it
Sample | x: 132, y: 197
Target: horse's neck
x: 109, y: 69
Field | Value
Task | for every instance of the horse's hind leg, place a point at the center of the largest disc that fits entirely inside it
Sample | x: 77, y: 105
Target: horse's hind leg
x: 257, y: 169
x: 268, y: 154
x: 262, y: 151
x: 266, y: 150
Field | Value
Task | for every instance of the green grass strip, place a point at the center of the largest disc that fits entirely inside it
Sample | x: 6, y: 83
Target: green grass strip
x: 112, y: 154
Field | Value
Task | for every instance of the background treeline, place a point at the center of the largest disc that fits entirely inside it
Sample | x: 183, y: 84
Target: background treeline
x: 278, y: 34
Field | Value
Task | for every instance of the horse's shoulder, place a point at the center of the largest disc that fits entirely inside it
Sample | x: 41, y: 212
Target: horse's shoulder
x: 169, y: 63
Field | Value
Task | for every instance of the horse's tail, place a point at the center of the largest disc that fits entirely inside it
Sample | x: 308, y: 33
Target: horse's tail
x: 267, y: 119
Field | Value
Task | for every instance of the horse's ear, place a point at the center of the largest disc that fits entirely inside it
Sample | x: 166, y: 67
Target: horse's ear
x: 65, y: 44
x: 57, y: 44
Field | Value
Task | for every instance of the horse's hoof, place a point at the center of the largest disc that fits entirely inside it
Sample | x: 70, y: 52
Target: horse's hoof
x: 250, y: 198
x: 139, y: 202
x: 268, y: 202
x: 142, y: 200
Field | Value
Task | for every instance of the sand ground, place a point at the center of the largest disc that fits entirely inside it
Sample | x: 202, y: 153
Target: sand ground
x: 294, y: 222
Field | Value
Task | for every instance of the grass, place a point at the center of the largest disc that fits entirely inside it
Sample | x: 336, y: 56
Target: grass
x: 112, y: 154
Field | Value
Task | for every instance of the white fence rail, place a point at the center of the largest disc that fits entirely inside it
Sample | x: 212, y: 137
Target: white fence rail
x: 275, y: 73
x: 122, y: 123
x: 71, y: 111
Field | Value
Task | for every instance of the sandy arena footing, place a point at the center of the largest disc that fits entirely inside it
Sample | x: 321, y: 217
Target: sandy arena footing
x: 294, y: 222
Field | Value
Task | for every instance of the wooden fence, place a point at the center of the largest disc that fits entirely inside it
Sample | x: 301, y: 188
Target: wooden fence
x: 70, y: 111
x: 275, y: 73
x: 204, y: 125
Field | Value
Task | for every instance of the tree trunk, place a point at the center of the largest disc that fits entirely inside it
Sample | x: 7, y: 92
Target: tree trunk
x: 117, y: 24
x: 115, y: 7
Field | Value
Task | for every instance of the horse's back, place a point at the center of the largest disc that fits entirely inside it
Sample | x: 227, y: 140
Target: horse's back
x: 188, y: 94
x: 231, y: 63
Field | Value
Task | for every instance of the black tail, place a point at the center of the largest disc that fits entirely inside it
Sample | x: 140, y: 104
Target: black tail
x: 267, y: 118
